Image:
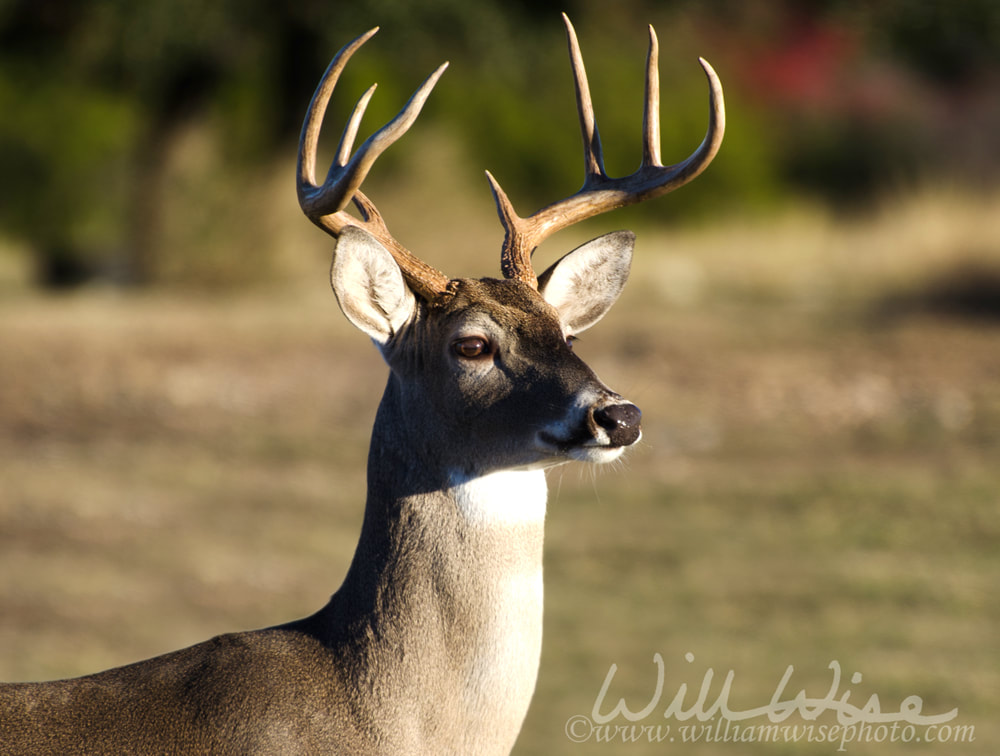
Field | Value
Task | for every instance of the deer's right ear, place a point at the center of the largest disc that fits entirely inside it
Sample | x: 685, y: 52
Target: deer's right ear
x: 369, y: 285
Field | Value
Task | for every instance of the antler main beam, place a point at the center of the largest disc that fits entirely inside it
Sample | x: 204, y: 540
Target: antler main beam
x: 325, y: 204
x: 600, y: 193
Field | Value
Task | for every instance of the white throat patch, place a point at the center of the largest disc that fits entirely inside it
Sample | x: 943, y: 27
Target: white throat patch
x: 508, y: 497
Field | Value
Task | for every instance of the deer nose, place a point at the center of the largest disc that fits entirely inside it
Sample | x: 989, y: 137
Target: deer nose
x: 621, y: 421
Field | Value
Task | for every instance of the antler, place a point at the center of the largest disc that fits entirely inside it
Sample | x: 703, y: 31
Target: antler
x: 325, y: 205
x: 601, y: 193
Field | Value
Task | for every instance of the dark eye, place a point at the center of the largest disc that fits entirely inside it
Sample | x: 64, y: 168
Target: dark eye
x: 570, y: 340
x: 471, y: 347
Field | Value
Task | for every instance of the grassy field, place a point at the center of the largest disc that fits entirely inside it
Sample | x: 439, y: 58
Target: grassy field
x: 818, y: 479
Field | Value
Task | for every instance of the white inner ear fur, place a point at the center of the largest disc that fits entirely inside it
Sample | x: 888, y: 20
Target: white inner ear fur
x: 369, y: 285
x: 583, y: 284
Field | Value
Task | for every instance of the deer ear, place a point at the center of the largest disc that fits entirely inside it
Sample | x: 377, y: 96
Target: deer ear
x: 583, y: 284
x: 369, y: 285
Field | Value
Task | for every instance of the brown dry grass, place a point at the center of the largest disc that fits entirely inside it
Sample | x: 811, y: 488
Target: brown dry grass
x: 815, y: 483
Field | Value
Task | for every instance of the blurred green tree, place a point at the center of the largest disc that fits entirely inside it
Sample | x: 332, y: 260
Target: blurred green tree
x: 95, y: 95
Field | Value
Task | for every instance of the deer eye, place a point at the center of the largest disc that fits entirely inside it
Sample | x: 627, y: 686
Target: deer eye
x: 570, y: 340
x: 471, y: 347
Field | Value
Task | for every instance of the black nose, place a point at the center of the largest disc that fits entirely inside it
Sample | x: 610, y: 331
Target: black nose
x: 621, y: 421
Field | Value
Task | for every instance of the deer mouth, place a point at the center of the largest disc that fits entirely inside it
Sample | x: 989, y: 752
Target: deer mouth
x: 584, y: 448
x: 581, y: 450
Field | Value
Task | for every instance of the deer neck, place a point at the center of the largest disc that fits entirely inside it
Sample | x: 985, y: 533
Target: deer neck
x: 445, y: 589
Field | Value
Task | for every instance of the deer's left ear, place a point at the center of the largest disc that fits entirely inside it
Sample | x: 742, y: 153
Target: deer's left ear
x: 583, y: 284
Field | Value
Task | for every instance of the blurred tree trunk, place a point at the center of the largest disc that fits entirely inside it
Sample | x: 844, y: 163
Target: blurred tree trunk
x: 145, y: 203
x: 180, y: 94
x: 61, y: 265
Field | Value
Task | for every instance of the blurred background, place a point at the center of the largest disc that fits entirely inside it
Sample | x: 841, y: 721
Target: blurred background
x: 812, y: 331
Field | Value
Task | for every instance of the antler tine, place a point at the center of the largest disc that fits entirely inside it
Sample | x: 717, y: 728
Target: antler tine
x: 593, y: 154
x: 350, y: 133
x: 601, y: 193
x: 309, y: 139
x: 325, y: 205
x: 651, y: 109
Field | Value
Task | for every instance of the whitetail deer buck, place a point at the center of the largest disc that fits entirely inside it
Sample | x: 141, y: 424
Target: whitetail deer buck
x: 431, y: 644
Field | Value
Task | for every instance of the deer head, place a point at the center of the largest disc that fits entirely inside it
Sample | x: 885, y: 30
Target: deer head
x: 488, y: 349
